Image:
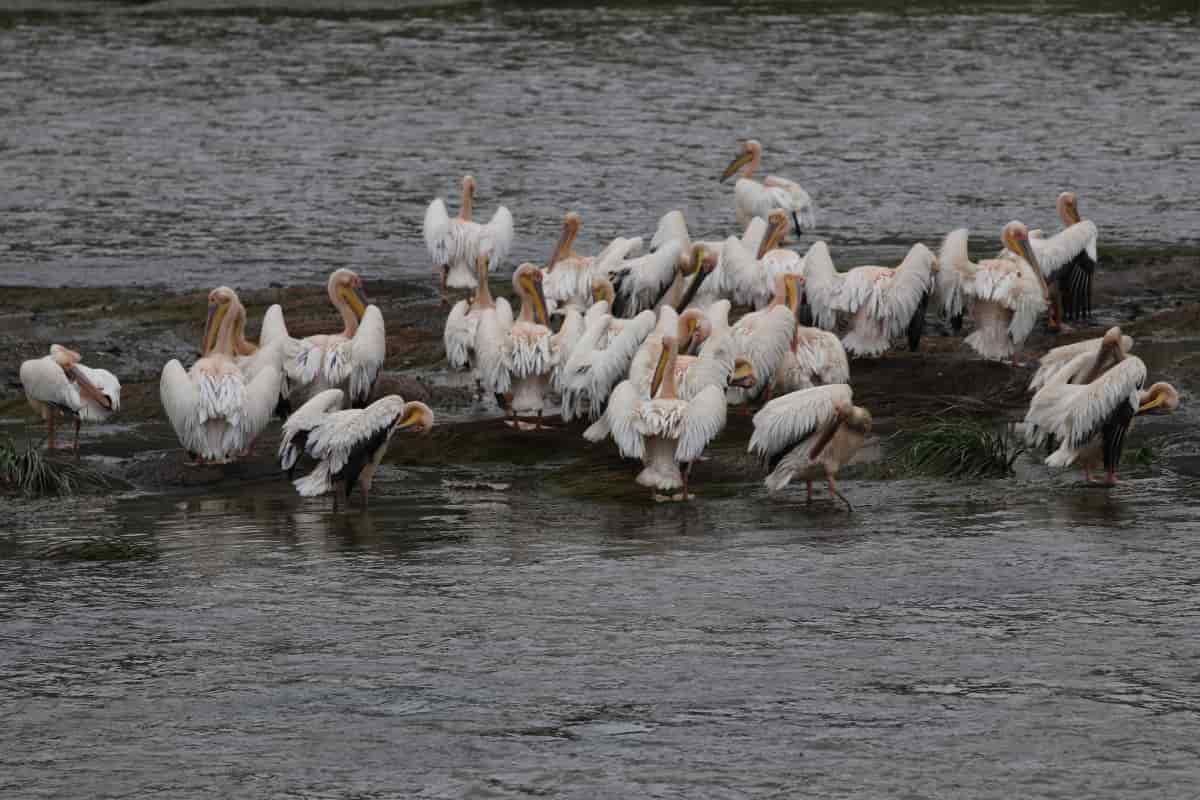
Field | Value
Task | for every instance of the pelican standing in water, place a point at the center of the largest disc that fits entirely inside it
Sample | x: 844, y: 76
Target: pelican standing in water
x: 216, y: 413
x: 454, y: 244
x: 810, y: 434
x: 1005, y: 296
x: 1113, y: 345
x: 1090, y: 420
x: 58, y: 384
x: 1067, y: 260
x: 463, y: 322
x: 349, y: 445
x: 296, y: 428
x: 754, y: 199
x: 349, y: 360
x: 669, y: 431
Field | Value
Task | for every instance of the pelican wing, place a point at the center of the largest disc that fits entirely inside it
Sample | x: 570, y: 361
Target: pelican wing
x: 459, y: 335
x: 765, y: 342
x: 499, y: 235
x: 752, y: 237
x: 260, y: 396
x: 359, y: 359
x: 610, y: 364
x: 671, y: 228
x: 45, y: 381
x: 1062, y: 248
x: 703, y: 420
x: 822, y: 285
x: 794, y: 417
x: 955, y: 271
x: 1013, y: 285
x: 621, y: 415
x: 740, y: 276
x: 712, y: 367
x: 274, y: 328
x: 640, y: 282
x: 1087, y: 415
x: 180, y: 399
x: 490, y: 333
x: 336, y: 436
x: 296, y: 427
x: 108, y: 385
x: 820, y: 354
x: 790, y: 196
x: 1050, y: 364
x: 892, y: 297
x: 573, y: 379
x: 438, y: 238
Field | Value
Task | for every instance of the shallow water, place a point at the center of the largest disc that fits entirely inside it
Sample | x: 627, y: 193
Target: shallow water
x: 209, y: 148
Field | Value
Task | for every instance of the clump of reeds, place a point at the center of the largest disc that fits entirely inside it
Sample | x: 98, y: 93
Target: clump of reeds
x: 27, y: 471
x: 962, y: 448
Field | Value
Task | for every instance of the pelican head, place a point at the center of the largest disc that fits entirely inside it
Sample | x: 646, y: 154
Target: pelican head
x: 743, y: 374
x: 602, y: 289
x: 346, y: 289
x: 527, y: 283
x: 220, y: 302
x: 749, y: 154
x: 777, y: 226
x: 1068, y: 208
x: 468, y: 185
x: 63, y: 356
x: 694, y: 328
x: 570, y: 229
x: 415, y: 417
x: 666, y: 361
x: 703, y: 264
x: 1112, y: 346
x: 1016, y: 239
x: 858, y: 419
x: 1161, y: 399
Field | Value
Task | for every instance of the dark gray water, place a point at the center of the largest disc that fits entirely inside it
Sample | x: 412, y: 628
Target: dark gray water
x: 214, y: 148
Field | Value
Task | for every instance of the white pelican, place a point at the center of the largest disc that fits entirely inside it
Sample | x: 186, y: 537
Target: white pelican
x: 348, y: 445
x: 765, y: 337
x: 1067, y: 260
x: 215, y: 411
x: 567, y: 278
x: 748, y: 276
x: 1005, y: 295
x: 667, y: 431
x: 602, y: 355
x: 644, y: 282
x: 454, y: 243
x: 296, y: 428
x: 816, y: 358
x: 349, y: 360
x: 1090, y: 420
x: 1067, y: 357
x: 521, y: 360
x: 461, y: 325
x: 809, y: 434
x: 754, y: 199
x: 58, y: 384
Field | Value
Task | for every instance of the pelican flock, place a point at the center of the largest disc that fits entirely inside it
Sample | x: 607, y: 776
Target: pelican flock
x: 650, y: 350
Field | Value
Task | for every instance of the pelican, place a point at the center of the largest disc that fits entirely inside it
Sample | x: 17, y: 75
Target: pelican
x: 1068, y: 258
x: 216, y: 412
x: 454, y: 243
x: 754, y: 199
x: 673, y: 227
x: 668, y: 431
x: 349, y: 360
x: 1005, y: 295
x: 643, y: 282
x: 567, y: 278
x: 348, y: 445
x: 748, y: 277
x: 58, y: 384
x: 522, y: 360
x: 816, y: 358
x: 602, y: 355
x: 299, y: 424
x: 764, y: 337
x: 810, y: 434
x: 463, y: 322
x: 1090, y: 420
x: 1067, y: 357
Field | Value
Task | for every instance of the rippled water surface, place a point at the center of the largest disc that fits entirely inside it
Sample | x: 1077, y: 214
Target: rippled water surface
x: 200, y: 149
x: 494, y: 629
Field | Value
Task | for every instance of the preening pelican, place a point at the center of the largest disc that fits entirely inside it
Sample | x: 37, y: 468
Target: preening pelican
x: 297, y: 427
x: 348, y: 445
x: 528, y: 353
x: 748, y: 277
x: 1067, y: 357
x: 668, y: 431
x: 809, y: 434
x: 349, y: 360
x: 764, y: 337
x: 816, y: 358
x: 454, y: 243
x: 1005, y: 296
x: 58, y: 384
x: 754, y: 199
x: 1067, y: 260
x: 1090, y: 420
x: 601, y: 356
x: 463, y: 322
x: 567, y: 278
x: 215, y: 411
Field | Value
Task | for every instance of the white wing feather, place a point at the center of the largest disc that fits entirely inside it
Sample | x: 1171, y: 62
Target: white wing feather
x: 621, y: 415
x: 459, y: 335
x: 180, y: 399
x: 671, y: 228
x: 793, y: 417
x: 437, y: 233
x: 305, y: 418
x: 822, y: 285
x: 703, y: 420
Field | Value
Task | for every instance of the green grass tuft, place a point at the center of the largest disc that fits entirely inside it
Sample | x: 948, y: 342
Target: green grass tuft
x: 28, y: 472
x: 961, y: 449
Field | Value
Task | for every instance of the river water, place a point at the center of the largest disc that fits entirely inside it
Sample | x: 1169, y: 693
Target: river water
x: 500, y: 629
x: 194, y: 149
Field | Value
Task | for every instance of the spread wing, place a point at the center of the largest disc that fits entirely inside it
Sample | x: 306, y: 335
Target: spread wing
x: 437, y: 232
x: 703, y: 420
x: 296, y: 428
x: 822, y: 285
x: 671, y: 228
x: 787, y: 420
x: 499, y: 232
x: 459, y: 336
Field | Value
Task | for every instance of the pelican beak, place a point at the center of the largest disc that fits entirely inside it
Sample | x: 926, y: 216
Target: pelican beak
x: 533, y: 285
x: 564, y: 241
x: 774, y: 233
x: 739, y: 162
x: 698, y: 277
x: 357, y: 299
x: 660, y: 371
x: 88, y: 389
x: 216, y: 314
x: 743, y: 374
x: 1149, y: 405
x: 791, y: 293
x: 414, y: 419
x: 692, y: 342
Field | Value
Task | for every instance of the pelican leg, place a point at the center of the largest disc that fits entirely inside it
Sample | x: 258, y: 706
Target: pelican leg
x: 833, y: 490
x: 1087, y: 474
x: 442, y: 284
x: 1110, y: 478
x: 363, y: 488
